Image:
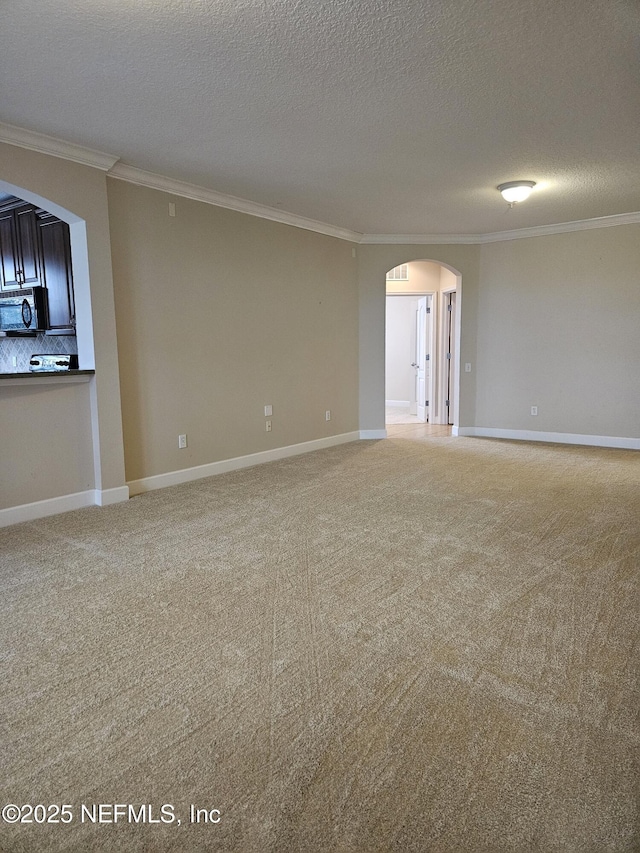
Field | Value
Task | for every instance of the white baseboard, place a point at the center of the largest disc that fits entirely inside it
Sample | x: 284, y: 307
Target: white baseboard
x: 400, y: 404
x: 185, y: 475
x: 41, y: 509
x: 373, y: 433
x: 64, y: 503
x: 554, y: 437
x: 106, y: 497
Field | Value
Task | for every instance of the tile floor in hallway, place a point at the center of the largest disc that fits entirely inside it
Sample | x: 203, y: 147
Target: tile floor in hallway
x: 399, y: 421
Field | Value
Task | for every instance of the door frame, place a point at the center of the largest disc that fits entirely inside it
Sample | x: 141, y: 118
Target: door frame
x: 444, y: 365
x: 424, y: 412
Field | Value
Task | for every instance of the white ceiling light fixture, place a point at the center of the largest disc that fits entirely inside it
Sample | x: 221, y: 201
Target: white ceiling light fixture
x: 516, y: 191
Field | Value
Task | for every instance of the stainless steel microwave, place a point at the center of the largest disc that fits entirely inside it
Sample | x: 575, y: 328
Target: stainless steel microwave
x: 24, y: 310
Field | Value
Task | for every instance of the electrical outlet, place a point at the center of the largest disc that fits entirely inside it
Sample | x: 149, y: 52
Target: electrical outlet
x: 172, y: 209
x: 534, y: 410
x: 268, y: 411
x: 182, y: 441
x: 267, y: 426
x: 327, y: 415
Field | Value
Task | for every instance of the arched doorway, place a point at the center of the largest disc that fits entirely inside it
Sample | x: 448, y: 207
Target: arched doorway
x: 66, y: 432
x: 422, y: 344
x: 80, y: 266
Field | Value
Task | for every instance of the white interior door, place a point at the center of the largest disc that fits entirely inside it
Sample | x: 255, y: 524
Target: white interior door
x: 413, y: 401
x: 451, y: 358
x: 422, y: 363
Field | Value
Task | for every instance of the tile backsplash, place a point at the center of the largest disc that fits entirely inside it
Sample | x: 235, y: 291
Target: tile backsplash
x: 23, y: 348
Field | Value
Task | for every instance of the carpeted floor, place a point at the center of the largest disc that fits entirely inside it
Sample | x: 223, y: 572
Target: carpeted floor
x: 418, y: 644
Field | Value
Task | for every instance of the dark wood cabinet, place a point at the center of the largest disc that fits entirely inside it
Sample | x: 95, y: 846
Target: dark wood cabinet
x: 57, y: 274
x: 9, y: 267
x: 27, y: 231
x: 19, y: 256
x: 35, y: 249
x: 19, y: 250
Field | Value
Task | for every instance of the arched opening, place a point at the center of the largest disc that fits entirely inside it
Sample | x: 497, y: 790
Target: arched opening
x: 67, y: 413
x: 422, y: 344
x: 83, y: 338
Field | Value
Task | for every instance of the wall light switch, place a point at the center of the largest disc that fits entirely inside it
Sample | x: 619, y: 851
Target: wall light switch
x: 327, y: 415
x: 267, y: 426
x: 467, y: 367
x: 268, y: 411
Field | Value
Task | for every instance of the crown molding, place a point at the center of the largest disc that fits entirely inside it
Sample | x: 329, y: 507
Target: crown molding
x: 563, y: 227
x: 133, y: 175
x: 420, y: 239
x: 500, y: 236
x: 44, y: 144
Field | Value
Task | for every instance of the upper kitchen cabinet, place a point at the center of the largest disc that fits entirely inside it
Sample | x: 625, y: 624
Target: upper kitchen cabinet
x: 19, y: 249
x: 57, y: 275
x: 35, y: 249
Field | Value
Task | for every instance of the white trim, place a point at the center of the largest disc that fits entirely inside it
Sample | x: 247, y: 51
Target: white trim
x: 563, y: 227
x: 419, y: 239
x: 41, y: 509
x: 400, y: 404
x: 632, y: 218
x: 64, y: 503
x: 44, y: 144
x: 555, y: 437
x: 457, y: 348
x: 106, y: 497
x: 132, y: 175
x: 367, y: 434
x: 186, y: 475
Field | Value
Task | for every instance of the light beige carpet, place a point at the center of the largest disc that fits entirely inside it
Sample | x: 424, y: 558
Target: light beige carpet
x: 403, y: 645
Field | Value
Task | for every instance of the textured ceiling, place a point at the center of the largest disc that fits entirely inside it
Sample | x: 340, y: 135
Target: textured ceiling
x: 380, y: 116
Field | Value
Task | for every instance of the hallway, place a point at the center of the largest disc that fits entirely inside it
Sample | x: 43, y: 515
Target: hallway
x: 399, y: 422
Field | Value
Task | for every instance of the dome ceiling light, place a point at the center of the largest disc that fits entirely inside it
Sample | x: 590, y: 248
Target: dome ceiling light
x: 516, y: 191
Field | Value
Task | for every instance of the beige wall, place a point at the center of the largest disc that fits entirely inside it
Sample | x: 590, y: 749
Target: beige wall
x: 46, y: 446
x: 559, y: 328
x: 547, y: 321
x: 423, y: 277
x: 218, y: 315
x: 448, y: 279
x: 77, y: 193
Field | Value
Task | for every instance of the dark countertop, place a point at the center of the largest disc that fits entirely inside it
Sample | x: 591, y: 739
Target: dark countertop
x: 29, y: 373
x: 46, y: 376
